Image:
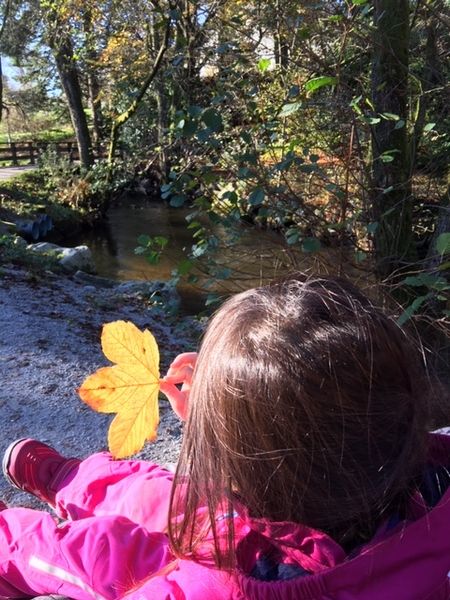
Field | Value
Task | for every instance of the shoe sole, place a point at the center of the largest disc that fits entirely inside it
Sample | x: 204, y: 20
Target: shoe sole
x: 7, y: 461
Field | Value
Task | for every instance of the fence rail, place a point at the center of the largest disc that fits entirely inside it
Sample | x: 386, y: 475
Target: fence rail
x: 28, y: 152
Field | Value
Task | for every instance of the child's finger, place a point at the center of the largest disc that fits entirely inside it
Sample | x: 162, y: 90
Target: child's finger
x: 185, y: 357
x: 180, y: 375
x: 182, y: 361
x: 176, y: 397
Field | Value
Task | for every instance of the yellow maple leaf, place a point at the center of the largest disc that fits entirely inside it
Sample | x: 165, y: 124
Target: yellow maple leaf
x: 130, y: 388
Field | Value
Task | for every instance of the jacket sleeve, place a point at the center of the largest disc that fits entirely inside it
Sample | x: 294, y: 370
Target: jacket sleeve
x: 97, y: 557
x: 100, y: 485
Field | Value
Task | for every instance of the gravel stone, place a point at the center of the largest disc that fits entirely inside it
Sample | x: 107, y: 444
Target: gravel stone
x: 49, y: 343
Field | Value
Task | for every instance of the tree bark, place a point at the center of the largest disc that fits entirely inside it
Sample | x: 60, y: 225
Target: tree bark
x: 391, y: 177
x: 70, y: 82
x: 93, y: 83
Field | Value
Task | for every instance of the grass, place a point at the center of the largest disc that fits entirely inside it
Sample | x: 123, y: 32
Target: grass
x: 60, y: 134
x: 30, y: 193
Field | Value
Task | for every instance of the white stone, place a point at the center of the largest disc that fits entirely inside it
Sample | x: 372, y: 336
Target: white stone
x: 71, y: 259
x: 74, y: 259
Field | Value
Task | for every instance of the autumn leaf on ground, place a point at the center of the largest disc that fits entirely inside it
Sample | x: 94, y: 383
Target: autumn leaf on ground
x: 129, y: 388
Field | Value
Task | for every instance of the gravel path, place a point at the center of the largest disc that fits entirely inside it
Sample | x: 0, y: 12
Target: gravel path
x: 49, y: 342
x: 10, y: 172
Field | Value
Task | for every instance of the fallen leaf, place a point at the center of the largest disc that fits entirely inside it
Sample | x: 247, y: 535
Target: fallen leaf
x: 130, y: 388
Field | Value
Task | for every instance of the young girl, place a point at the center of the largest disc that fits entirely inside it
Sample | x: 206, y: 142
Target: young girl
x: 306, y: 471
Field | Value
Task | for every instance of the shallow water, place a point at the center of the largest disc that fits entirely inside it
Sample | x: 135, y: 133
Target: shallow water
x: 258, y: 257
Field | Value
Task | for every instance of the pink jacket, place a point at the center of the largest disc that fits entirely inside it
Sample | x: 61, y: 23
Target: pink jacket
x: 112, y: 541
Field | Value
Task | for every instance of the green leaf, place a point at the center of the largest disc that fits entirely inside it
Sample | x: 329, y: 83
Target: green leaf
x: 358, y: 2
x: 244, y: 173
x: 161, y: 241
x: 204, y: 134
x: 177, y: 201
x: 212, y: 119
x: 427, y: 280
x: 195, y: 111
x: 292, y: 236
x: 390, y: 116
x: 190, y: 127
x: 413, y: 308
x: 400, y: 123
x: 443, y: 243
x: 372, y: 227
x: 429, y: 126
x: 143, y: 240
x: 311, y: 245
x: 387, y: 158
x: 256, y: 197
x: 318, y: 82
x: 264, y: 64
x: 289, y: 109
x: 184, y: 267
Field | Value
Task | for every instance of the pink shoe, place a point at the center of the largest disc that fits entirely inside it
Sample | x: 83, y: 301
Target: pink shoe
x: 36, y: 468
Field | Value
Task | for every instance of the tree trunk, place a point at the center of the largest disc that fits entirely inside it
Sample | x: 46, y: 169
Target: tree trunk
x: 94, y: 104
x: 391, y: 168
x: 70, y: 82
x: 93, y: 82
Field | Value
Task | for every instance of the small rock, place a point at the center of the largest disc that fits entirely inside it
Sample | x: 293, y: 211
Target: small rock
x: 79, y: 258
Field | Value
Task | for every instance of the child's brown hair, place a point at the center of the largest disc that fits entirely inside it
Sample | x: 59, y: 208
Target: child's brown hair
x: 309, y: 404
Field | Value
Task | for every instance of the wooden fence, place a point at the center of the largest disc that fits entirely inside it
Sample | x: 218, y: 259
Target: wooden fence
x: 20, y: 153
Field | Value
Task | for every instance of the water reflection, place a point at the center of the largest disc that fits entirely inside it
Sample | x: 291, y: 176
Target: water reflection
x: 258, y: 257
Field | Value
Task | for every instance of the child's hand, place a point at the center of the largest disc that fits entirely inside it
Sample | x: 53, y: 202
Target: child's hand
x: 180, y: 371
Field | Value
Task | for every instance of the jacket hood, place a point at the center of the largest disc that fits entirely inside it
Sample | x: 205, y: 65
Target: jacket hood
x: 408, y: 560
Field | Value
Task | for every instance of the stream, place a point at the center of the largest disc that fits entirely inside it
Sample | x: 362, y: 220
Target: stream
x: 258, y: 257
